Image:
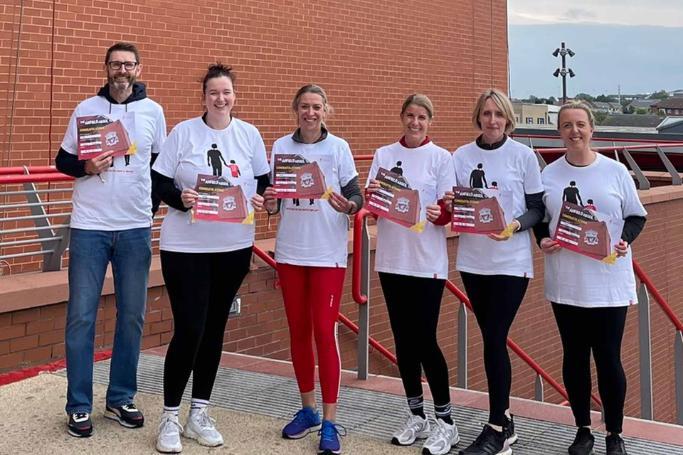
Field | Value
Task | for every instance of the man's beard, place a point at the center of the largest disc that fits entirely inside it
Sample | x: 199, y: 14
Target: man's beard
x: 120, y: 83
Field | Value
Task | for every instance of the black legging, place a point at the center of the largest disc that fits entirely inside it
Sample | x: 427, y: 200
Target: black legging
x: 413, y: 305
x: 599, y: 330
x: 495, y: 300
x: 201, y: 287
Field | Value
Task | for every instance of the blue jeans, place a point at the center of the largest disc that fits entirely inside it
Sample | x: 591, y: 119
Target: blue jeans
x: 90, y: 252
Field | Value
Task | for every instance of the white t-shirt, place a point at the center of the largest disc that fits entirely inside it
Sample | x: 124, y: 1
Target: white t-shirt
x: 121, y: 198
x: 314, y: 234
x: 513, y: 169
x: 237, y: 153
x: 429, y: 170
x: 572, y: 278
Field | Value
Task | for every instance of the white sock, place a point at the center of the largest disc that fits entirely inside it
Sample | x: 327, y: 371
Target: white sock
x: 197, y: 404
x: 498, y: 428
x: 172, y: 410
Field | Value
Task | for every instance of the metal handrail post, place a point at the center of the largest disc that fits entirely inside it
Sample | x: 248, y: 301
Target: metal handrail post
x: 461, y: 378
x: 643, y: 182
x: 541, y: 161
x: 675, y: 176
x: 645, y: 349
x: 539, y: 389
x: 678, y: 375
x: 41, y: 220
x: 364, y: 310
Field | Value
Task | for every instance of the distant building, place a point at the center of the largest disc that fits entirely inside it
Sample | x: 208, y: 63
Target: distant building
x: 642, y: 104
x: 678, y: 92
x: 542, y: 115
x: 670, y: 106
x: 607, y: 108
x: 632, y: 120
x: 671, y: 125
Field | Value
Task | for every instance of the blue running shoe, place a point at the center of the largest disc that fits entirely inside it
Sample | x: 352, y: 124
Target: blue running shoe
x: 329, y: 438
x: 305, y: 421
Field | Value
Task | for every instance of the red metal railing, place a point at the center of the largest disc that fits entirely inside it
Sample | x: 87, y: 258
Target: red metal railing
x: 32, y: 174
x: 359, y: 219
x: 663, y: 304
x: 611, y: 148
x: 595, y: 139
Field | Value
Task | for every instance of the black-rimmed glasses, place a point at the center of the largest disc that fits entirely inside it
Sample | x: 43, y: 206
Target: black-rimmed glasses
x: 129, y: 66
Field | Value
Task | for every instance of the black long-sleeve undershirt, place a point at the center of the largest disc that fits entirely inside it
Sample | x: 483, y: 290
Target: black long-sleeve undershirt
x: 535, y: 211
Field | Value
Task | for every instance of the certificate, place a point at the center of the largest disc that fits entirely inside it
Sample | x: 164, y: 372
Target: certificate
x: 219, y: 200
x: 579, y: 230
x: 476, y: 211
x: 98, y: 134
x: 396, y: 201
x: 295, y: 177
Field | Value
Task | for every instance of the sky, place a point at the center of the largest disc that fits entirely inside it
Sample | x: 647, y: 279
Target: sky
x: 629, y: 45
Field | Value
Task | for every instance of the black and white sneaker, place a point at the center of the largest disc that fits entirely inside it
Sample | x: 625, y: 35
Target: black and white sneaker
x: 80, y: 425
x: 489, y: 442
x: 509, y: 430
x: 127, y: 415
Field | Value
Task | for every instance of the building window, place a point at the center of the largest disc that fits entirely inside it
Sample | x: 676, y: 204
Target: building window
x: 529, y: 120
x: 541, y: 121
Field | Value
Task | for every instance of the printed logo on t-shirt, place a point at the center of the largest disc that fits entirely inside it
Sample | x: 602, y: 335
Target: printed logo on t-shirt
x: 572, y: 194
x: 214, y: 158
x: 478, y: 177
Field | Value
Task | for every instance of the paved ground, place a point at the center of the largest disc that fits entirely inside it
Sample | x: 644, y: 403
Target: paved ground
x: 32, y: 421
x: 252, y: 405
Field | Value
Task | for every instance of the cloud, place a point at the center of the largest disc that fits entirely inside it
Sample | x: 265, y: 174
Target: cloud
x: 658, y: 13
x: 579, y: 14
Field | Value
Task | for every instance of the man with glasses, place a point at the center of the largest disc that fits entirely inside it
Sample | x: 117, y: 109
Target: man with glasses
x: 110, y: 223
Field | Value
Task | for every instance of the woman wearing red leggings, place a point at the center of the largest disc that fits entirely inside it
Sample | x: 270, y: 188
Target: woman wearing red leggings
x: 311, y: 252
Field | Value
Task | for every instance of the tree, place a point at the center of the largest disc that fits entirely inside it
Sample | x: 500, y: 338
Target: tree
x: 584, y: 96
x: 660, y: 95
x: 599, y: 117
x: 605, y: 99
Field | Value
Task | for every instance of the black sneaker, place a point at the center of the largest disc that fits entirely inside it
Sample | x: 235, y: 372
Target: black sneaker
x: 80, y: 425
x: 489, y: 442
x: 615, y: 445
x: 127, y: 415
x: 583, y: 442
x: 509, y: 430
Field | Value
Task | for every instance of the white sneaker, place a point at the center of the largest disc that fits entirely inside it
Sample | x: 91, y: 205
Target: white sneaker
x: 201, y: 427
x: 442, y: 438
x: 415, y: 427
x: 168, y: 440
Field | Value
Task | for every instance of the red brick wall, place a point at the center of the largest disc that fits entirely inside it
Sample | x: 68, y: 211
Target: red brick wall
x: 368, y: 54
